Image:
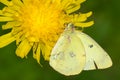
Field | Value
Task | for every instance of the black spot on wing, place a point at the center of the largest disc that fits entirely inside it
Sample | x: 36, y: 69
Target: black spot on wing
x: 95, y: 65
x: 91, y: 46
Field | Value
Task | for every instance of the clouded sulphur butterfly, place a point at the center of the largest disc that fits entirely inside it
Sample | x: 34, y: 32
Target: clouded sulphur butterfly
x: 75, y: 51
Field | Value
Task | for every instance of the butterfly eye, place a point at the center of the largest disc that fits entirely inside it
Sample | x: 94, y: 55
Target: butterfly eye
x: 69, y: 26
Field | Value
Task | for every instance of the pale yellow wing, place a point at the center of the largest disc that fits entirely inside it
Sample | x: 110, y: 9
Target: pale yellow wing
x: 68, y: 55
x: 96, y: 57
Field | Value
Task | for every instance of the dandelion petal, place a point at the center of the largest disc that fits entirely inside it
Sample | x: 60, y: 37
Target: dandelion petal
x: 36, y: 53
x: 23, y: 49
x: 3, y: 19
x: 6, y: 39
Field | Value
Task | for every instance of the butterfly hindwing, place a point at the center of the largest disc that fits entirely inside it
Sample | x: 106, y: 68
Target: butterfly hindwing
x: 96, y: 57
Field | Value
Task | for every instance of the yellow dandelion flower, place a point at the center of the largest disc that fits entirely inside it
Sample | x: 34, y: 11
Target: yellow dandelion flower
x: 37, y: 24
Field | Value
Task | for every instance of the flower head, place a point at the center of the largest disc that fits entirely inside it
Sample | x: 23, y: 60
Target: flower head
x: 37, y: 24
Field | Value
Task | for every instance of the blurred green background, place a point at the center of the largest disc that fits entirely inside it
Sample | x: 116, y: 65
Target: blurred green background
x: 106, y: 31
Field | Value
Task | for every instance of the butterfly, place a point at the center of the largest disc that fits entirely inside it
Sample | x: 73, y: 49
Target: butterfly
x: 75, y: 51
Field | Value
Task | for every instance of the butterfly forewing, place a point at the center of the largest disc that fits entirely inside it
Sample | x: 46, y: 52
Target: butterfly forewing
x: 68, y: 55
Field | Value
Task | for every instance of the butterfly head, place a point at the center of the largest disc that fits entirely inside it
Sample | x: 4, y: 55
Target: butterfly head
x: 69, y: 27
